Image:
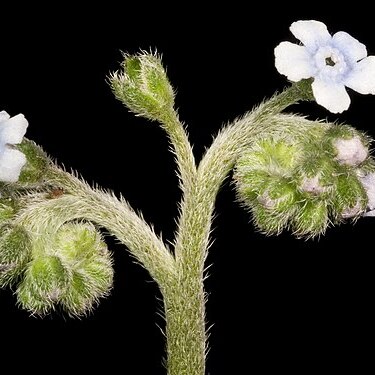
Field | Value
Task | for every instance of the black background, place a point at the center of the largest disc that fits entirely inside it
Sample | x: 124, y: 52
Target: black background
x: 277, y: 302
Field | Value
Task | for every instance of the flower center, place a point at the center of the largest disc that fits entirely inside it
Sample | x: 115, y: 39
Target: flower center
x: 331, y: 64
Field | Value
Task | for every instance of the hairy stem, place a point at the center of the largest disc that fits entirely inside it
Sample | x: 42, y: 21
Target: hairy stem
x: 197, y: 207
x: 182, y: 149
x: 185, y: 303
x: 82, y: 202
x: 180, y: 278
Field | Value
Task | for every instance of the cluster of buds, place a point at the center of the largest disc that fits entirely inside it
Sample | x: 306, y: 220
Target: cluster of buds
x: 307, y: 181
x: 73, y: 272
x: 68, y: 266
x: 71, y: 268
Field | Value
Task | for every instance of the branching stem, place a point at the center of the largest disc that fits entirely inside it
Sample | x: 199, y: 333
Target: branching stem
x: 179, y: 276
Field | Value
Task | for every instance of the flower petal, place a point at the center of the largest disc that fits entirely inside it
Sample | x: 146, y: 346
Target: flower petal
x: 313, y: 34
x: 362, y: 77
x: 350, y: 46
x: 13, y: 130
x: 11, y: 163
x: 4, y: 116
x: 332, y: 96
x: 293, y: 61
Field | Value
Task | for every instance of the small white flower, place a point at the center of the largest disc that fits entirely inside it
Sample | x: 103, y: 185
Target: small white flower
x: 12, y: 131
x: 333, y: 61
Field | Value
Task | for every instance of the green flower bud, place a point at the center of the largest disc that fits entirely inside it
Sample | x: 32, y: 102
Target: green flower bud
x: 267, y: 221
x: 77, y: 242
x: 143, y: 86
x: 306, y: 182
x: 264, y: 186
x: 350, y: 198
x: 251, y: 184
x: 91, y: 281
x: 45, y: 281
x: 15, y: 251
x: 73, y: 272
x: 36, y: 164
x: 316, y: 175
x: 280, y: 195
x: 279, y: 201
x: 85, y: 253
x: 262, y: 166
x: 311, y: 219
x: 8, y: 207
x: 278, y: 157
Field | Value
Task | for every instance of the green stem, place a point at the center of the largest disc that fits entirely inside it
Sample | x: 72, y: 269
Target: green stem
x: 82, y: 202
x: 185, y: 302
x: 182, y: 149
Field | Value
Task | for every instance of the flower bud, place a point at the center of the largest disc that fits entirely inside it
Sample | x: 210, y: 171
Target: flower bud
x: 36, y: 165
x: 350, y: 151
x: 347, y: 146
x: 307, y: 182
x: 73, y: 272
x: 263, y: 164
x: 85, y: 253
x: 7, y: 209
x: 15, y: 251
x: 45, y: 281
x: 275, y: 206
x: 143, y: 86
x: 350, y: 198
x: 264, y: 185
x: 91, y: 281
x: 315, y: 175
x: 311, y: 219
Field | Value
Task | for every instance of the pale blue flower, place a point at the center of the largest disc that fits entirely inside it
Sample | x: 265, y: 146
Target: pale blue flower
x: 332, y: 61
x: 12, y: 131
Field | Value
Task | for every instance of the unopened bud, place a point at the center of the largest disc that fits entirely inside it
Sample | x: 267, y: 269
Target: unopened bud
x: 350, y: 151
x: 143, y: 86
x: 44, y: 282
x: 36, y: 165
x: 74, y: 271
x: 15, y: 250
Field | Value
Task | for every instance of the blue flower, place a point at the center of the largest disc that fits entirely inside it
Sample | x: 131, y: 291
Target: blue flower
x: 12, y: 131
x: 332, y: 61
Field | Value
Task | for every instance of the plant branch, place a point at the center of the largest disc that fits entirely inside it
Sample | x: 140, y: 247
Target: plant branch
x: 80, y: 201
x: 185, y: 301
x: 197, y: 207
x: 182, y: 149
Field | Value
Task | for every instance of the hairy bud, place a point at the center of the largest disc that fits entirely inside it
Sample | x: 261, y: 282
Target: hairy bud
x: 143, y: 86
x: 8, y: 207
x: 72, y: 270
x: 36, y: 163
x: 306, y: 181
x: 45, y: 281
x: 87, y: 256
x: 15, y: 252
